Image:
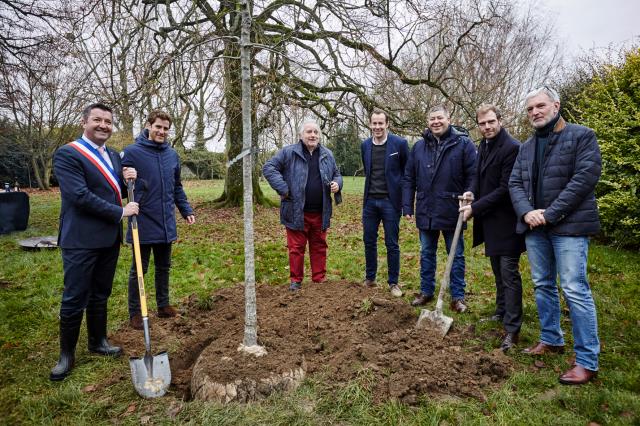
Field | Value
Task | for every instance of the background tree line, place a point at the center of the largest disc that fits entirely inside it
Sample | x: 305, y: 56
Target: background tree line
x: 332, y: 61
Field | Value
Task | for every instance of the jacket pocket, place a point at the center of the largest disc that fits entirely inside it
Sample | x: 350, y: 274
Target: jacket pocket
x: 449, y: 195
x: 286, y: 210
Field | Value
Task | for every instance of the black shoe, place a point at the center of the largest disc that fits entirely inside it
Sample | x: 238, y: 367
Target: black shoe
x: 97, y: 333
x: 69, y: 332
x: 509, y: 341
x: 422, y: 299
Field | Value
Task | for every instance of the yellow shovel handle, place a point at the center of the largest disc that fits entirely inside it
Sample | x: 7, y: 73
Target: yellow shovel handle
x: 136, y: 254
x: 138, y: 260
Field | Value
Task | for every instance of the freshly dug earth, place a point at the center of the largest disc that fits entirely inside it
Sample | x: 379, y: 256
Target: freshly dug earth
x: 340, y: 330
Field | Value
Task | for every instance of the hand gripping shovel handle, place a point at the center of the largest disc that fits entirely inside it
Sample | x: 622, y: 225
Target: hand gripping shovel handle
x: 444, y: 285
x: 136, y: 254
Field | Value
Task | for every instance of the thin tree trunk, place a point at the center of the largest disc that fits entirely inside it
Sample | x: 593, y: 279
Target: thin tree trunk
x: 250, y: 320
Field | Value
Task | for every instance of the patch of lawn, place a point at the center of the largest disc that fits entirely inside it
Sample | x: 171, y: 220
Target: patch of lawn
x: 209, y: 255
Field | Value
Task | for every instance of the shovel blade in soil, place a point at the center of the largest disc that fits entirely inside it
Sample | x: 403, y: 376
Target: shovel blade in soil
x: 151, y: 386
x: 434, y: 320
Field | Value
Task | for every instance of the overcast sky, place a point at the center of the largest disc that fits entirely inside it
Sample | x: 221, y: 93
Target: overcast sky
x: 584, y: 24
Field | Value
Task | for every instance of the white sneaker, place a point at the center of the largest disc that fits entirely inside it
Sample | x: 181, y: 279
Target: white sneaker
x: 395, y: 290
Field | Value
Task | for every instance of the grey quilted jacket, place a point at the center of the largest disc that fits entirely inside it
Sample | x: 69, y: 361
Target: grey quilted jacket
x: 571, y: 169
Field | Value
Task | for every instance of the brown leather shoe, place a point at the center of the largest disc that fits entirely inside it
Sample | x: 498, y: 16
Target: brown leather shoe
x: 542, y: 348
x: 457, y: 305
x: 578, y: 375
x: 422, y: 299
x: 369, y: 283
x: 167, y: 312
x: 136, y: 322
x: 509, y: 341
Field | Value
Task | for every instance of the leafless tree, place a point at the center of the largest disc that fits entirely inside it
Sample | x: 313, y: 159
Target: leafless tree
x: 332, y: 59
x: 43, y: 98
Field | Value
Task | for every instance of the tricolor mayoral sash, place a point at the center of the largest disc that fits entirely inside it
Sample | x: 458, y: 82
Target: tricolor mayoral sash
x: 94, y: 157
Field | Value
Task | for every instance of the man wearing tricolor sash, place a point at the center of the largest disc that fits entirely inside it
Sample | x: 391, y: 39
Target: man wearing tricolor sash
x: 92, y: 184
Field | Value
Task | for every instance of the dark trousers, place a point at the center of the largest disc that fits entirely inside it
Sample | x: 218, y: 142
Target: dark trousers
x: 508, y: 291
x: 297, y: 242
x: 162, y: 261
x: 374, y: 212
x: 88, y: 278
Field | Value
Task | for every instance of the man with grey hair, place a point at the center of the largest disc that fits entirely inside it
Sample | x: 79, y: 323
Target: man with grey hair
x: 552, y: 189
x: 305, y: 175
x: 439, y: 169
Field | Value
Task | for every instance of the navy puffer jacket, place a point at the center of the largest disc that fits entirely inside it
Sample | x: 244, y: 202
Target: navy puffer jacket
x: 436, y: 183
x: 287, y: 173
x: 158, y: 189
x: 571, y: 169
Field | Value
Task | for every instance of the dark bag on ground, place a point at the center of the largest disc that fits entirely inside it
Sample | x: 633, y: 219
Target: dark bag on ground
x: 14, y: 211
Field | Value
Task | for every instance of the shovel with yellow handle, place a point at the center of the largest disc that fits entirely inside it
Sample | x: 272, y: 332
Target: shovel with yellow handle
x: 151, y: 375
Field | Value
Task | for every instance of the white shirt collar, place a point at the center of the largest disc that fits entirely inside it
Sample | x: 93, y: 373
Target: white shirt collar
x: 90, y: 142
x: 373, y: 140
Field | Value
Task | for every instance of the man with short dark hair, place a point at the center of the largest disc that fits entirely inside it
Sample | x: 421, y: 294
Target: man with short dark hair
x: 438, y: 170
x: 494, y: 220
x: 159, y: 191
x: 384, y: 156
x: 305, y: 175
x: 552, y: 189
x: 92, y: 185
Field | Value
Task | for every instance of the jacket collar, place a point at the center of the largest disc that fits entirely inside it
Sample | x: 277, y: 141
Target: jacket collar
x: 560, y: 125
x: 500, y: 137
x: 143, y: 139
x: 299, y: 148
x: 498, y: 141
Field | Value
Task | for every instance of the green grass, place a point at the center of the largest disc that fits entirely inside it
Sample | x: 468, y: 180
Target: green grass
x: 209, y: 255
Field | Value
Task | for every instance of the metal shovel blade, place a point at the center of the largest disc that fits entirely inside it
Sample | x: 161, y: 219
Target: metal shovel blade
x: 151, y: 382
x: 434, y: 320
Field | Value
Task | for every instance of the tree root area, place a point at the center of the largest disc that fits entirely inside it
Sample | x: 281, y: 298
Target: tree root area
x: 336, y: 331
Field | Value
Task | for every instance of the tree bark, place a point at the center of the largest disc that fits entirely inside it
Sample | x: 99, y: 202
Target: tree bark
x: 233, y: 184
x: 250, y: 319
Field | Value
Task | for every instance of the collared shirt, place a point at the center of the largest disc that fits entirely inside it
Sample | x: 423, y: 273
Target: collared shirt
x: 103, y: 152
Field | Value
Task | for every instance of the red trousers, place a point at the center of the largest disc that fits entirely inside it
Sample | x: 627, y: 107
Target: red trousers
x: 297, y: 242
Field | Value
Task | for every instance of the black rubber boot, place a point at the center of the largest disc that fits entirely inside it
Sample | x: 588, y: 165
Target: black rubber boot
x: 69, y: 332
x: 97, y: 333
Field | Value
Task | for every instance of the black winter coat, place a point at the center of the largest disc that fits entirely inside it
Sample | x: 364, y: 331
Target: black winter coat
x: 494, y: 220
x: 571, y: 169
x: 435, y: 183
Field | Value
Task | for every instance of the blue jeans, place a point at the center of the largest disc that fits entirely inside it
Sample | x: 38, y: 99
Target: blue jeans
x: 564, y: 256
x: 428, y: 248
x: 374, y: 211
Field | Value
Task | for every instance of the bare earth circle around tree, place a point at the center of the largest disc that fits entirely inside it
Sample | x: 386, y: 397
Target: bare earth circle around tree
x: 336, y: 331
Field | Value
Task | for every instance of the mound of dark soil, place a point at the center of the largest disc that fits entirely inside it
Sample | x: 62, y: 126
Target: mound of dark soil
x: 340, y: 330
